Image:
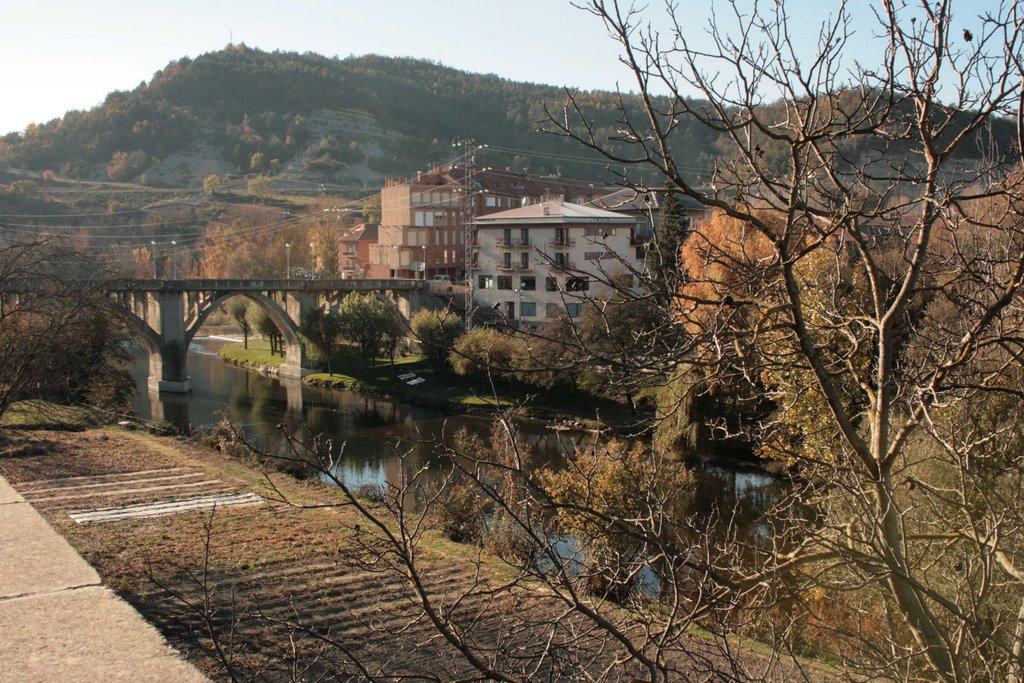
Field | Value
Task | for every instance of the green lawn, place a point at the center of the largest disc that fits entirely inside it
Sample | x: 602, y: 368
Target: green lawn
x: 44, y: 414
x: 257, y: 354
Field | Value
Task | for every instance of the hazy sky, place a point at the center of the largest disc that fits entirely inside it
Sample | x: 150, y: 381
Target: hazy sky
x: 68, y: 54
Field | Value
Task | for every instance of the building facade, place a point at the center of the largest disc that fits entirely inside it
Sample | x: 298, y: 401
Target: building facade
x: 537, y: 263
x: 423, y: 221
x: 354, y: 250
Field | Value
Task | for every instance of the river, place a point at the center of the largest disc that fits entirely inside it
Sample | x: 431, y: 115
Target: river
x: 375, y: 431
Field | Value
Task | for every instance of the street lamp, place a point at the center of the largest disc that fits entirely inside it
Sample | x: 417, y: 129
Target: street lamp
x: 423, y: 260
x: 152, y: 249
x: 174, y: 259
x: 287, y: 260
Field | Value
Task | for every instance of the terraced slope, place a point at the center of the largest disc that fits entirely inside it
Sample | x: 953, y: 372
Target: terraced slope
x: 274, y: 592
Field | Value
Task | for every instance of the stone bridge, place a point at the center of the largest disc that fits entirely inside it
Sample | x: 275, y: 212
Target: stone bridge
x: 169, y: 313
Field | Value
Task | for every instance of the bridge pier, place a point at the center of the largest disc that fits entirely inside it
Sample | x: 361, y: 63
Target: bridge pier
x: 167, y: 370
x: 409, y: 303
x: 295, y: 362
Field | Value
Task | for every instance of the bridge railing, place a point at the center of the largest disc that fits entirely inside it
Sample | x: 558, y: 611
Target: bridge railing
x: 278, y: 284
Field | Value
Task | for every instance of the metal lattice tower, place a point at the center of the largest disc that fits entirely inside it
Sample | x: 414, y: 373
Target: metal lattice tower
x: 469, y: 149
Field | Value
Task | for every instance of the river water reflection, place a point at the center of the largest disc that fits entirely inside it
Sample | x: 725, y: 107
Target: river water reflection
x: 375, y: 430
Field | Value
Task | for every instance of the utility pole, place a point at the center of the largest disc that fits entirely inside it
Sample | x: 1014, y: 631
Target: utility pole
x: 469, y: 149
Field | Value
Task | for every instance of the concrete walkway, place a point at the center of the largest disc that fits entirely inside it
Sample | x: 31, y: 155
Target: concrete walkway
x: 58, y: 622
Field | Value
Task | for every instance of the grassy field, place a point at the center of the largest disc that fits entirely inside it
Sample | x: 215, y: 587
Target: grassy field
x: 36, y: 414
x: 257, y: 355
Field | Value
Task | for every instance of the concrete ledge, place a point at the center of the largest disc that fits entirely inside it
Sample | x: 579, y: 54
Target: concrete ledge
x: 87, y: 634
x: 182, y: 386
x: 292, y: 372
x: 57, y: 623
x: 34, y: 558
x: 8, y: 494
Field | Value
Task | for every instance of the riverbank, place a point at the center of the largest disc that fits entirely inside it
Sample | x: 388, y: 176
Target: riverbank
x: 242, y: 571
x: 410, y: 379
x: 239, y: 590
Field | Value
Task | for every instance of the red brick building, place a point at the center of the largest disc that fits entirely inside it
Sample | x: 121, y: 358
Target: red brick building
x: 422, y: 231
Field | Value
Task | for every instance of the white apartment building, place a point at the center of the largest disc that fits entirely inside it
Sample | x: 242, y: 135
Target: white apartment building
x: 542, y: 261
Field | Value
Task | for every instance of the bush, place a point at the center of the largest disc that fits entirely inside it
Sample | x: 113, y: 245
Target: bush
x: 484, y: 351
x: 436, y: 332
x: 460, y: 511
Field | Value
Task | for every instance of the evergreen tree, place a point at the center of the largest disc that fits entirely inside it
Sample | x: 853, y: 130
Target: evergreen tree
x: 663, y: 255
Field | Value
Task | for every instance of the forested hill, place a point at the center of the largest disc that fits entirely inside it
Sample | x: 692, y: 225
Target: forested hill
x: 344, y: 121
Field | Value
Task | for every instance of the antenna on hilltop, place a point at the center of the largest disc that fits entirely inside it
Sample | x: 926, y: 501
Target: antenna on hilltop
x: 231, y: 38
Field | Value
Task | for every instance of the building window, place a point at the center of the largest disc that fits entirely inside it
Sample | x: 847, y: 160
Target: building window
x: 524, y: 237
x: 528, y: 309
x: 504, y: 282
x: 601, y: 231
x: 486, y: 282
x: 524, y: 260
x: 577, y: 284
x: 510, y: 310
x: 562, y: 260
x: 573, y: 310
x: 527, y: 283
x: 551, y: 311
x: 551, y: 284
x: 641, y: 252
x: 506, y: 236
x: 506, y: 259
x: 491, y: 201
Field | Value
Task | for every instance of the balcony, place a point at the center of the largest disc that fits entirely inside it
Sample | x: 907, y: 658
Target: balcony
x: 563, y: 265
x: 519, y: 244
x: 513, y: 267
x: 562, y: 242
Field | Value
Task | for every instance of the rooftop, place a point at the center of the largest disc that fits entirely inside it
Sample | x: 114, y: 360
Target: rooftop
x: 554, y: 212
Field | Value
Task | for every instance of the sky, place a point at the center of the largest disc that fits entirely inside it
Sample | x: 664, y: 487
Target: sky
x: 66, y: 54
x: 60, y: 55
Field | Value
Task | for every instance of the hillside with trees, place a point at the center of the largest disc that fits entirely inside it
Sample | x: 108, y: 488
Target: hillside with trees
x: 312, y: 118
x: 305, y: 118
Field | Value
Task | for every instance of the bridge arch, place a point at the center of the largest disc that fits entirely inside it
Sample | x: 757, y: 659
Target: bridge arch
x: 169, y: 313
x: 294, y: 357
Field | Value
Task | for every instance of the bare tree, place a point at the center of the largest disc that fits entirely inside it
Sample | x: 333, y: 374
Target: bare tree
x: 862, y: 270
x: 856, y: 293
x: 593, y: 572
x: 58, y: 339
